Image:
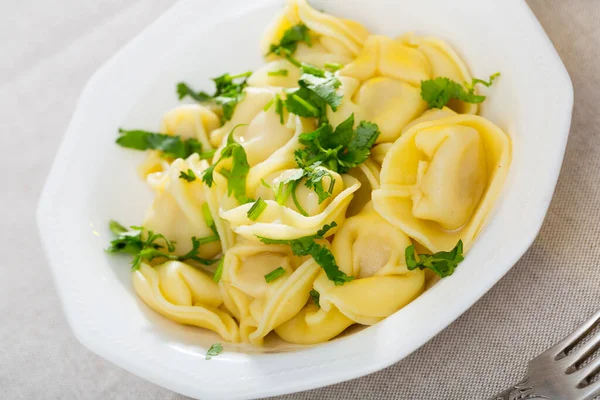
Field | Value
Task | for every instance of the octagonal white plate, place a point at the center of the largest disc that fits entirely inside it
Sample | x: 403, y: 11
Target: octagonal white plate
x: 93, y: 180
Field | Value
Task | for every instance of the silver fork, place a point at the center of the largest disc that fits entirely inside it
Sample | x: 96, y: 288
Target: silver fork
x: 558, y: 373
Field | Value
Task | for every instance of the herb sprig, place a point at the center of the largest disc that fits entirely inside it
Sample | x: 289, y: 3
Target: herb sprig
x: 443, y: 263
x: 307, y: 245
x: 145, y: 245
x: 228, y: 93
x: 439, y: 91
x: 236, y: 177
x: 170, y: 145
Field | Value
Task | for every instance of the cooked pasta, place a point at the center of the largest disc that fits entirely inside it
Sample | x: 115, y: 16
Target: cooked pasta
x: 291, y: 201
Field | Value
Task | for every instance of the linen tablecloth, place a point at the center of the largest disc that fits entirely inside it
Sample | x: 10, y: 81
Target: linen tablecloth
x: 49, y: 49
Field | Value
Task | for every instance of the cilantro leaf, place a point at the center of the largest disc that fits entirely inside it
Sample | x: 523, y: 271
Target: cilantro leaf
x: 315, y: 296
x: 340, y: 149
x: 289, y: 40
x: 257, y: 208
x: 236, y: 177
x: 305, y: 103
x: 214, y: 351
x: 443, y: 263
x: 171, y: 146
x: 189, y: 176
x: 439, y: 91
x: 228, y: 93
x: 306, y: 245
x: 276, y: 273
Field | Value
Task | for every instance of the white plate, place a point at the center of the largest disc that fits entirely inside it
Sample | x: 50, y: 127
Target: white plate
x: 93, y: 180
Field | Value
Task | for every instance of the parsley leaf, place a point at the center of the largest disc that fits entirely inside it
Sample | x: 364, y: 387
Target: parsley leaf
x: 289, y: 41
x: 443, y: 263
x: 228, y: 93
x: 148, y: 248
x: 333, y: 66
x: 171, y: 146
x: 340, y: 149
x: 189, y: 176
x: 279, y: 108
x: 439, y: 91
x: 315, y: 297
x: 279, y: 72
x: 214, y: 351
x: 276, y: 273
x: 257, y: 208
x: 306, y: 245
x: 236, y: 177
x: 184, y: 90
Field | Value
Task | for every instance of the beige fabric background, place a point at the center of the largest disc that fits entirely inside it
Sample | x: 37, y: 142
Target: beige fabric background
x: 48, y: 50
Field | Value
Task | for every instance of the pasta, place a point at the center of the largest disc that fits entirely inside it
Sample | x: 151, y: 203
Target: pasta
x: 327, y: 189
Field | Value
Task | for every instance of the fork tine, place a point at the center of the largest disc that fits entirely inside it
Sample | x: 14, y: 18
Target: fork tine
x: 578, y: 333
x: 590, y: 391
x: 587, y: 370
x: 579, y: 354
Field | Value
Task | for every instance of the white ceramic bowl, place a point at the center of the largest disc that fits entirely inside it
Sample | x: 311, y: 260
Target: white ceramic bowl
x: 93, y: 180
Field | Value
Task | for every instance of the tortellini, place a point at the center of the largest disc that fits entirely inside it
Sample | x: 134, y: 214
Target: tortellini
x: 177, y: 210
x: 298, y: 226
x: 258, y: 305
x: 382, y: 86
x: 185, y: 295
x: 371, y: 250
x: 439, y: 181
x: 284, y: 221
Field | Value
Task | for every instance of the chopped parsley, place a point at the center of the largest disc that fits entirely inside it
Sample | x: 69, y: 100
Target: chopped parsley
x: 289, y: 42
x: 228, y: 93
x: 279, y: 72
x: 439, y: 91
x: 333, y: 66
x: 340, y: 149
x: 317, y: 89
x: 214, y: 351
x: 276, y: 273
x: 279, y: 107
x: 306, y: 245
x: 315, y: 296
x: 236, y: 176
x: 257, y: 208
x: 145, y: 245
x: 171, y: 146
x: 443, y: 263
x: 189, y: 176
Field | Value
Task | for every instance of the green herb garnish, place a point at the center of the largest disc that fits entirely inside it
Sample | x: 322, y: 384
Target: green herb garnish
x: 279, y: 107
x: 333, y: 66
x: 439, y: 91
x: 214, y: 351
x: 236, y: 176
x: 443, y: 263
x: 315, y: 296
x: 257, y: 208
x: 306, y: 245
x: 228, y: 93
x: 219, y: 271
x: 189, y: 176
x: 340, y: 149
x: 145, y: 245
x: 289, y: 41
x: 279, y: 72
x: 171, y: 146
x: 276, y: 273
x: 210, y: 222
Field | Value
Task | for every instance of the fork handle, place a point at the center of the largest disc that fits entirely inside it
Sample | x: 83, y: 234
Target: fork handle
x: 521, y: 391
